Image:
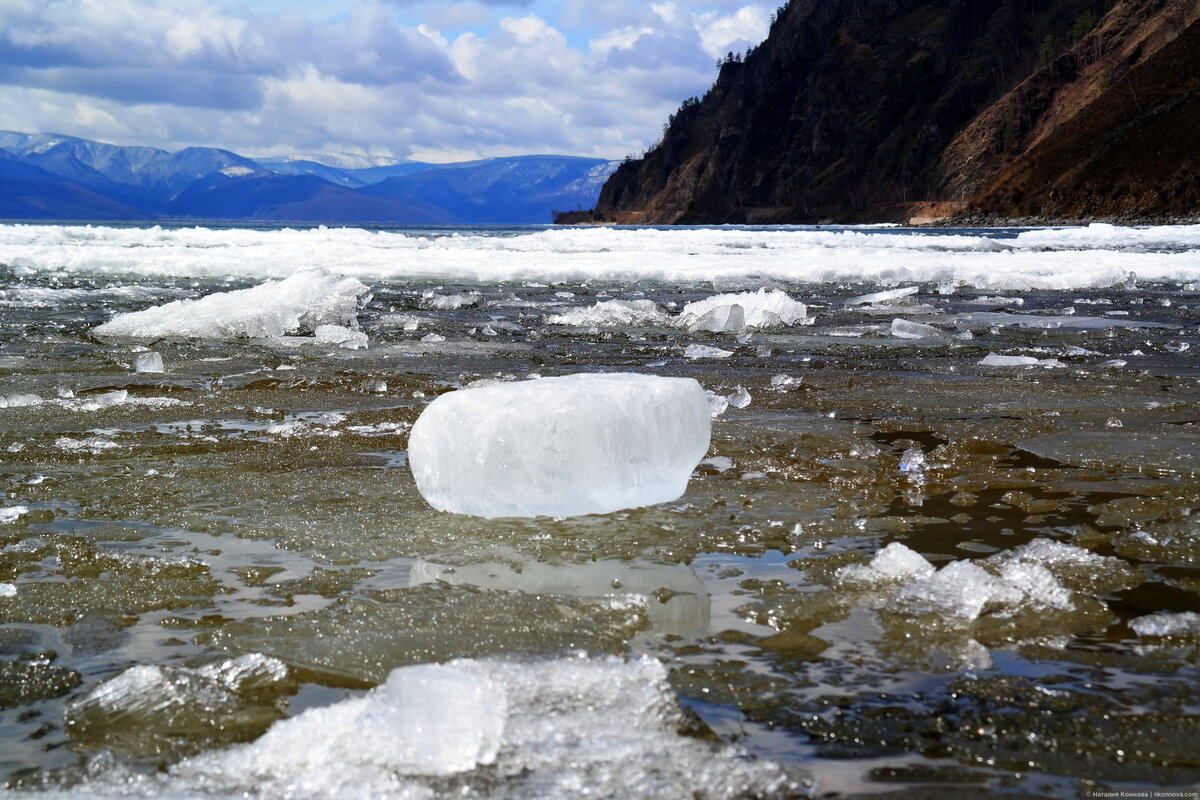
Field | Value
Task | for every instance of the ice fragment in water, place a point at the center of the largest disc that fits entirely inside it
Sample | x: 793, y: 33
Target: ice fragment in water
x: 718, y: 404
x: 905, y: 329
x: 577, y: 444
x: 761, y: 309
x: 882, y: 297
x: 912, y: 460
x: 19, y: 400
x: 540, y: 729
x: 341, y: 336
x: 12, y: 513
x: 426, y: 719
x: 610, y: 313
x: 694, y: 351
x: 894, y: 562
x: 994, y: 360
x: 1183, y: 624
x: 148, y: 707
x: 451, y: 302
x: 740, y: 398
x: 297, y: 304
x: 148, y: 362
x: 432, y: 338
x: 722, y: 319
x: 961, y: 588
x: 8, y: 590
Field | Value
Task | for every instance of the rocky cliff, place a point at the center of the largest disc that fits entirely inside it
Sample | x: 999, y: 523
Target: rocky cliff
x: 893, y: 110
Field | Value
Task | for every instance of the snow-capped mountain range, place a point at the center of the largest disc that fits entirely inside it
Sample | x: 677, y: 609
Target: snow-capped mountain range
x: 53, y: 177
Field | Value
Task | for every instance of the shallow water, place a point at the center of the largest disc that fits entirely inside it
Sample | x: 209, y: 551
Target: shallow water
x: 254, y: 500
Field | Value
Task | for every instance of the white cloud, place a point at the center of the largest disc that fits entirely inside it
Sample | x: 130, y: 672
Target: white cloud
x: 594, y: 78
x: 721, y: 33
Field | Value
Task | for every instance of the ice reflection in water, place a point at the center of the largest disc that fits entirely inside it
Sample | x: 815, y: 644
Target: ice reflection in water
x: 676, y: 599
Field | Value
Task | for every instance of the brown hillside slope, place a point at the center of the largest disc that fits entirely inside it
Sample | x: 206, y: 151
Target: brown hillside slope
x: 1133, y: 153
x: 1128, y: 36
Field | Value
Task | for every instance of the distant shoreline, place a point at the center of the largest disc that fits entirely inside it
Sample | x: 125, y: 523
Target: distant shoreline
x: 599, y: 219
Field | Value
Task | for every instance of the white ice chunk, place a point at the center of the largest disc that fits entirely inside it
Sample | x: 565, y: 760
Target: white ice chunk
x: 894, y: 562
x: 718, y: 463
x: 563, y: 728
x: 761, y: 309
x: 994, y: 360
x: 342, y: 336
x: 888, y: 296
x: 8, y: 590
x: 451, y: 302
x: 1162, y: 623
x: 740, y: 398
x: 12, y: 513
x: 912, y: 461
x: 1037, y: 582
x: 722, y: 319
x: 997, y: 301
x: 718, y: 404
x: 906, y: 329
x: 294, y: 305
x: 578, y: 444
x: 432, y: 338
x: 174, y: 698
x: 19, y: 400
x: 148, y: 362
x: 961, y: 588
x: 427, y: 719
x: 90, y: 444
x: 694, y: 351
x: 609, y: 313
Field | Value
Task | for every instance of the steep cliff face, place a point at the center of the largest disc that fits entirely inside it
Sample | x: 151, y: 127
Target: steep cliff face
x: 1131, y: 154
x: 869, y: 109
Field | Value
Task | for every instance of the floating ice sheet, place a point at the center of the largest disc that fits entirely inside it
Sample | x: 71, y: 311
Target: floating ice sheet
x: 1096, y: 256
x: 297, y: 304
x: 578, y: 444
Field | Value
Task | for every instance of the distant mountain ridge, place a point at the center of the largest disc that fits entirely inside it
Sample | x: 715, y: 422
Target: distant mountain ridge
x: 55, y: 177
x: 926, y: 110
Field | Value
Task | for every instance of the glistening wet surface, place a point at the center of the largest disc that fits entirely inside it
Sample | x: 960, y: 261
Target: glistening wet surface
x: 898, y: 572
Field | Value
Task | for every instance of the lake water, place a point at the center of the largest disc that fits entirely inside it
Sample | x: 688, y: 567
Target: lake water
x: 910, y: 563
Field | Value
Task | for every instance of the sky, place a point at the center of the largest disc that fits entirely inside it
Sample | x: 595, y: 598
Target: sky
x: 408, y: 79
